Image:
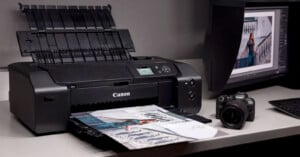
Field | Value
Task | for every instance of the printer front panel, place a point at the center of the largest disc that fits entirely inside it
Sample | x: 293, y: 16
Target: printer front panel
x: 100, y: 97
x: 161, y: 93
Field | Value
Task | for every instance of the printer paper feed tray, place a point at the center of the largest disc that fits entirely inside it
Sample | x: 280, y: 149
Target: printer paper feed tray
x: 73, y: 34
x: 76, y: 47
x: 59, y: 17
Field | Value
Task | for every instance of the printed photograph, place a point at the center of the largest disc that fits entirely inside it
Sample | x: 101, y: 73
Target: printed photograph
x: 256, y: 49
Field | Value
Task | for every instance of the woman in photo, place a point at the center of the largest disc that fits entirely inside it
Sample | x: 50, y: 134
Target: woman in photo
x: 251, y: 49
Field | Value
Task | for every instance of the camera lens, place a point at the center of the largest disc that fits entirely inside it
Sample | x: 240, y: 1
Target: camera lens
x: 234, y: 115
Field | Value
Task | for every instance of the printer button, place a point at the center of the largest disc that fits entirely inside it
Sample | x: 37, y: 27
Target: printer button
x: 166, y: 69
x: 192, y: 96
x: 192, y: 83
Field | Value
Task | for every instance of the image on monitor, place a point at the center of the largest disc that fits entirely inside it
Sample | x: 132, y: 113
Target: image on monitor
x: 257, y: 45
x: 262, y: 54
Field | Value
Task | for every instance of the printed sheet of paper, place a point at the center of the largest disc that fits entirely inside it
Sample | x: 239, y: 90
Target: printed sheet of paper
x: 146, y: 126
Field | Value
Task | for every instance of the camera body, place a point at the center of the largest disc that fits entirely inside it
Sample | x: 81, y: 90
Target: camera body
x: 234, y: 110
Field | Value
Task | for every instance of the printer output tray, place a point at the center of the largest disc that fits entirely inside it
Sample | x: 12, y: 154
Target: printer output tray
x: 92, y: 136
x: 99, y: 139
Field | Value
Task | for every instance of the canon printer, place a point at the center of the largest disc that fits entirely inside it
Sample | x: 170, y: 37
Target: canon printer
x: 81, y: 62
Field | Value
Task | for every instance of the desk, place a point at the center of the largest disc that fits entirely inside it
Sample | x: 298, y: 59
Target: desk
x: 17, y: 141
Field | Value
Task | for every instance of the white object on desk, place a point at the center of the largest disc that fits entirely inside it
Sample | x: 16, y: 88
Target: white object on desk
x: 4, y: 85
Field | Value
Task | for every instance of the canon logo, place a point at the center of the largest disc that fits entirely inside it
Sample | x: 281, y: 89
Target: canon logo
x: 118, y: 95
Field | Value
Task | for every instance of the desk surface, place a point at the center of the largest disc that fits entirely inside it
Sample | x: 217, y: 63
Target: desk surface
x: 17, y: 141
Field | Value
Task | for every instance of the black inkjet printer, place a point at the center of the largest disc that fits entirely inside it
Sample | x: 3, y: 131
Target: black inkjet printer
x: 81, y: 62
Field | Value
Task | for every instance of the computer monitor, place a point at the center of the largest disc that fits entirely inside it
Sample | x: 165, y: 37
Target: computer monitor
x: 262, y: 54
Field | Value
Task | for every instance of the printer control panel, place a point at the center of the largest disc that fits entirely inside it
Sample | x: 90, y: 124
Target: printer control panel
x: 153, y: 70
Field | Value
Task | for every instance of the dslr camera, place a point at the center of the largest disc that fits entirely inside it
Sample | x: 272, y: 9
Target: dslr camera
x: 234, y: 110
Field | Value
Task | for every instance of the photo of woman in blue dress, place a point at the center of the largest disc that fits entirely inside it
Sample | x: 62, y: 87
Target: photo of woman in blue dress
x: 256, y: 47
x: 251, y: 50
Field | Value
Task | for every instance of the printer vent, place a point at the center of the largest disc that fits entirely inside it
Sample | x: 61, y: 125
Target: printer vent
x: 73, y: 34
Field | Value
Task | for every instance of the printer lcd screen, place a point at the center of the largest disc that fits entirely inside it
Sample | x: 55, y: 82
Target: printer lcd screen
x: 145, y: 71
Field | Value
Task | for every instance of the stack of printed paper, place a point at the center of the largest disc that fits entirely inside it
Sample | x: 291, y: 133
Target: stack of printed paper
x: 146, y: 126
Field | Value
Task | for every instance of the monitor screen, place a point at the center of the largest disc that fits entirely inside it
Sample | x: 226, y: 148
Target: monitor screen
x: 263, y: 49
